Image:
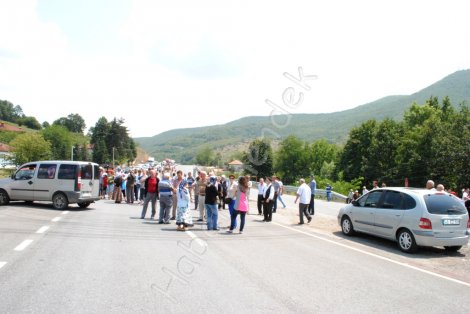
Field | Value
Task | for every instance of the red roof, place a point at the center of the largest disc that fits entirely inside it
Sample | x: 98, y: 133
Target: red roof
x: 235, y: 163
x: 4, y: 148
x: 7, y: 127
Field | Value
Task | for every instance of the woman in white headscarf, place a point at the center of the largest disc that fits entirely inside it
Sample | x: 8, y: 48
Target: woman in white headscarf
x: 183, y: 213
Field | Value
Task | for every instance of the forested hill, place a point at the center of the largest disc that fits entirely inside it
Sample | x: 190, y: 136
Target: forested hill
x: 183, y: 144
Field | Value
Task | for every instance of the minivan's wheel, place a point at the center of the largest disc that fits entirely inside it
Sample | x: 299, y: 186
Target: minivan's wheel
x: 4, y: 198
x: 60, y: 201
x: 84, y: 205
x: 406, y: 241
x: 347, y: 226
x: 453, y: 248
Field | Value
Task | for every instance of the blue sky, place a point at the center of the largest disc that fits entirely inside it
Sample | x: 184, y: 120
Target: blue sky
x: 169, y: 64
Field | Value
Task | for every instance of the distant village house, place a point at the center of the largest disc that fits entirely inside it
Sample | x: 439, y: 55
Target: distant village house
x: 235, y: 165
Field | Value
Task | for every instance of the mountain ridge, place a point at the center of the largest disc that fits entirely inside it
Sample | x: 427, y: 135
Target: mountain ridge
x: 183, y: 144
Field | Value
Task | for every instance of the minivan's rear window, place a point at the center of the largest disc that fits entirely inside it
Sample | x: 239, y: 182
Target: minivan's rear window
x: 67, y: 172
x: 96, y: 172
x: 444, y: 204
x: 87, y: 172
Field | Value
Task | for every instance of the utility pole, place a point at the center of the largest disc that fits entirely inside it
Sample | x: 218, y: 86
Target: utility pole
x: 72, y: 151
x: 113, y: 157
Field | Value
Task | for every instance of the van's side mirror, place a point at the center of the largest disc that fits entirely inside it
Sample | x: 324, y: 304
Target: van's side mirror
x: 355, y: 203
x: 12, y: 176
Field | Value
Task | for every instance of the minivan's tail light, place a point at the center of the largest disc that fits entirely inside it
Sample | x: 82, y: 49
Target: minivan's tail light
x: 79, y: 180
x: 425, y: 223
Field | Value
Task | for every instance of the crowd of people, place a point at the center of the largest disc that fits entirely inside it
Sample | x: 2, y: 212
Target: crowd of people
x: 177, y: 192
x: 209, y: 194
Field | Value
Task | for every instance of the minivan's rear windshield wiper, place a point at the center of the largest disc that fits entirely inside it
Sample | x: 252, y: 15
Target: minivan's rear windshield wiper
x: 454, y: 211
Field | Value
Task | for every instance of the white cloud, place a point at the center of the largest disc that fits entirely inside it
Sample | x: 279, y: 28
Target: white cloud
x: 208, y: 62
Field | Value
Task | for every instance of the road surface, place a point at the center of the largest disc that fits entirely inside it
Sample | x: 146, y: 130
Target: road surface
x: 106, y: 260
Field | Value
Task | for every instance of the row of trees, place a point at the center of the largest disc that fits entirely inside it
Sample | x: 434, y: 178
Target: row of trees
x: 12, y: 113
x: 431, y: 142
x: 111, y: 142
x: 297, y: 159
x: 105, y: 143
x: 51, y: 143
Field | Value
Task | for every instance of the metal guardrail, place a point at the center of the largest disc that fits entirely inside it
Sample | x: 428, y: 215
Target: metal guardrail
x: 318, y: 192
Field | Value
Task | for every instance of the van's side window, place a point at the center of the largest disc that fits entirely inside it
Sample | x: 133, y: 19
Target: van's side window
x: 67, y: 172
x: 47, y: 171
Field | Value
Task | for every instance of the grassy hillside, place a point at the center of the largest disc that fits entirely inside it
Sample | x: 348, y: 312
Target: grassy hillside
x: 183, y: 144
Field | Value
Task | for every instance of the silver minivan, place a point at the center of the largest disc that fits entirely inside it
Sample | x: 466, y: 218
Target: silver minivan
x: 61, y: 182
x: 412, y: 217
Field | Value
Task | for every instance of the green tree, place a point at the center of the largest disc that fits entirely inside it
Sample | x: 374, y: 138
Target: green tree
x: 29, y: 122
x: 327, y: 170
x: 205, y: 156
x: 73, y: 122
x: 61, y: 141
x: 258, y: 159
x: 321, y: 152
x: 30, y: 146
x: 118, y: 137
x: 382, y: 159
x: 10, y: 112
x: 356, y: 153
x: 290, y: 160
x: 112, y: 139
x: 81, y: 145
x: 430, y: 143
x: 7, y: 136
x: 435, y: 144
x: 99, y: 135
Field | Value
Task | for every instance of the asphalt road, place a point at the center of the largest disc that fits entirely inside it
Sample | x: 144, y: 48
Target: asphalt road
x: 106, y: 260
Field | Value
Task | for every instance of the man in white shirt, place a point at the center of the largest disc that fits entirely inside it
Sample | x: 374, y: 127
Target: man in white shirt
x: 304, y: 193
x: 465, y: 195
x: 261, y: 187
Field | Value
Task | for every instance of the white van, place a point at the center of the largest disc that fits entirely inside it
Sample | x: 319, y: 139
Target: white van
x: 62, y: 182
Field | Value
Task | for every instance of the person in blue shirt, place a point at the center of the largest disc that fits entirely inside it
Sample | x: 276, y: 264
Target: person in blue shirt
x: 328, y: 192
x: 190, y: 181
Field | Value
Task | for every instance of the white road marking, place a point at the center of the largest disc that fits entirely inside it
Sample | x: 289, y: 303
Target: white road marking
x: 2, y: 264
x: 23, y: 245
x: 56, y: 219
x: 376, y: 256
x: 198, y: 240
x: 65, y: 212
x: 42, y: 229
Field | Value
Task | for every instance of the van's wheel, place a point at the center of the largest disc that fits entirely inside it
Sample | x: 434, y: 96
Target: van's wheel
x: 4, y: 198
x: 60, y: 201
x: 84, y: 205
x: 406, y: 241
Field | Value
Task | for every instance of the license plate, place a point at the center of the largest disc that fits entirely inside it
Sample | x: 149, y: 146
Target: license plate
x: 447, y: 222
